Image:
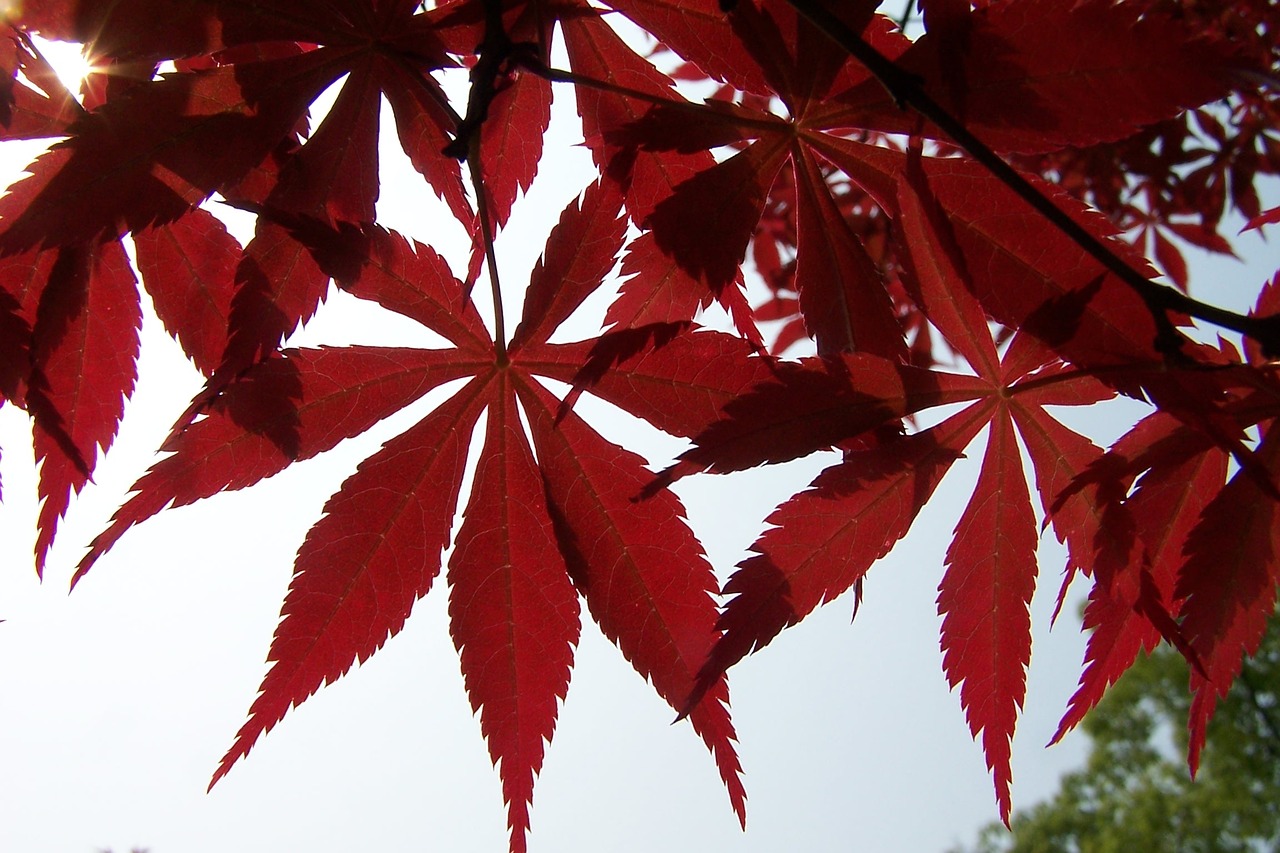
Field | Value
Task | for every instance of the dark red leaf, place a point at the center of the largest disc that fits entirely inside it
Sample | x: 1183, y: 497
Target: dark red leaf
x: 1040, y: 76
x: 681, y: 127
x: 365, y: 563
x: 800, y: 62
x: 1202, y: 236
x: 642, y: 572
x: 582, y: 249
x: 984, y: 599
x: 511, y: 142
x: 1171, y: 260
x: 658, y: 289
x: 938, y: 273
x: 823, y: 540
x: 83, y: 353
x: 288, y: 408
x: 335, y: 174
x: 1019, y: 265
x: 147, y: 158
x: 680, y: 386
x: 410, y: 279
x: 23, y: 279
x: 596, y: 51
x: 1097, y: 542
x: 15, y: 349
x: 513, y: 612
x: 1166, y: 506
x: 423, y: 125
x: 814, y: 405
x: 846, y: 306
x: 188, y: 268
x: 1229, y: 585
x: 700, y: 32
x: 1267, y: 217
x: 730, y: 195
x: 278, y: 287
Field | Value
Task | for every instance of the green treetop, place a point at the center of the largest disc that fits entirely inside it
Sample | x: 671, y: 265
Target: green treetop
x: 1135, y: 794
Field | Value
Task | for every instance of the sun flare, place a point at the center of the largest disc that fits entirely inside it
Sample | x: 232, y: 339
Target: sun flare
x: 68, y: 61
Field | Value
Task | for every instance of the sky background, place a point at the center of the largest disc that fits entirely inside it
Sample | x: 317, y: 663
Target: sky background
x: 117, y: 702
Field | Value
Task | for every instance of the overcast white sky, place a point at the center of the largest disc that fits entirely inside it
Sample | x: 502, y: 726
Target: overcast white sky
x: 117, y: 701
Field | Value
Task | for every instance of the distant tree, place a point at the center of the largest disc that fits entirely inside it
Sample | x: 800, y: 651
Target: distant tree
x: 1134, y: 793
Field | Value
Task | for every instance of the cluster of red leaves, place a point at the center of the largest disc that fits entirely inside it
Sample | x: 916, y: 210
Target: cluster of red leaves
x: 878, y: 237
x: 1166, y: 186
x: 1172, y: 182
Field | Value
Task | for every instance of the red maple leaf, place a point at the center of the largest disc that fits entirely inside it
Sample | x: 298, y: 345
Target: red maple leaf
x: 535, y: 534
x: 823, y: 541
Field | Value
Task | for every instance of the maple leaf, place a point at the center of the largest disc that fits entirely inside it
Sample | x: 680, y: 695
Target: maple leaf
x: 736, y: 188
x: 146, y: 159
x: 1183, y: 472
x: 513, y: 609
x: 659, y: 289
x: 825, y: 539
x: 195, y: 307
x: 535, y: 534
x: 70, y: 362
x: 984, y: 599
x: 1231, y: 572
x: 85, y: 373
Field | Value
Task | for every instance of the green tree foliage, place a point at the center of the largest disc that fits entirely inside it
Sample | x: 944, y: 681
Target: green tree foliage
x: 1134, y: 793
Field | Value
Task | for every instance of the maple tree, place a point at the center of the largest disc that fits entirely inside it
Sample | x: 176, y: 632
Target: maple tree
x: 896, y: 196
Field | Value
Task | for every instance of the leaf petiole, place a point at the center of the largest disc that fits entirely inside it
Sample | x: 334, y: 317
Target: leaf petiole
x: 491, y: 260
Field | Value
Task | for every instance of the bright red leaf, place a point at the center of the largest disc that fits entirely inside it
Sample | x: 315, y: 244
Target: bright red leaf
x: 365, y: 563
x: 984, y: 599
x: 513, y: 611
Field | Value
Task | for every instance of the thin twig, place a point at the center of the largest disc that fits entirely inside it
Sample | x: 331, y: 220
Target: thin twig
x: 703, y: 111
x: 495, y: 56
x: 486, y: 235
x: 495, y: 52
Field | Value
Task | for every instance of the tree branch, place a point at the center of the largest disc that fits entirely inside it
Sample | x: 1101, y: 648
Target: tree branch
x: 496, y: 55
